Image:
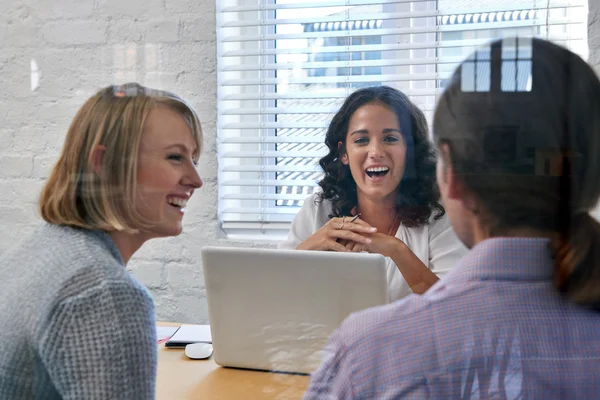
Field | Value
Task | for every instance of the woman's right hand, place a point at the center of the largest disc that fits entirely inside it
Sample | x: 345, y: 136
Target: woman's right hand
x: 338, y: 230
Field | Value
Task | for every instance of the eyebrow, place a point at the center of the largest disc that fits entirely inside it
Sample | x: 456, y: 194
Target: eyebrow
x: 364, y: 131
x: 181, y: 147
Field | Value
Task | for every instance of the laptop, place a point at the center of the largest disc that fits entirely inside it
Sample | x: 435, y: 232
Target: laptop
x: 273, y: 310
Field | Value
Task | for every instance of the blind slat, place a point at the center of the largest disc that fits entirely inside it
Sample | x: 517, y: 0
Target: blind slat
x: 325, y: 3
x: 332, y: 18
x: 276, y: 139
x: 271, y: 154
x: 344, y: 64
x: 331, y: 79
x: 251, y: 226
x: 270, y: 210
x: 397, y: 31
x: 469, y: 43
x: 282, y: 111
x: 499, y: 8
x: 256, y: 217
x: 339, y: 94
x: 269, y: 182
x: 261, y: 196
x: 273, y: 168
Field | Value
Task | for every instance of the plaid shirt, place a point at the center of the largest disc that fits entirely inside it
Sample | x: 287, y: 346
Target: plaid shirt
x: 493, y: 328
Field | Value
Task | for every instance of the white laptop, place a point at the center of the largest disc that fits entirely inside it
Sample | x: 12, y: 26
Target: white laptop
x: 273, y: 310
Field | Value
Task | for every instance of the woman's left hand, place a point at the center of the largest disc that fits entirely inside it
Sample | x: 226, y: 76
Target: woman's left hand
x: 417, y: 275
x: 380, y: 243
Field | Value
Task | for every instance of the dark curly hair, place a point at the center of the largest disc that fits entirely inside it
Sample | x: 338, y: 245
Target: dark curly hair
x: 417, y: 194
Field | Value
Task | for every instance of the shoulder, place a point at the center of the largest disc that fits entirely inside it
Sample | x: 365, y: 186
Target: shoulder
x: 438, y: 226
x: 375, y: 323
x: 90, y: 282
x: 401, y: 327
x: 315, y: 209
x: 310, y: 218
x: 52, y: 243
x: 316, y: 204
x: 67, y: 261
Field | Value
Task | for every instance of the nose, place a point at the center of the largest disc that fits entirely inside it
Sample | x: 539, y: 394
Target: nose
x: 193, y: 178
x: 375, y: 149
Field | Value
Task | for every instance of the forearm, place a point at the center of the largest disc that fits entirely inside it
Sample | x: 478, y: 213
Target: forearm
x: 417, y: 275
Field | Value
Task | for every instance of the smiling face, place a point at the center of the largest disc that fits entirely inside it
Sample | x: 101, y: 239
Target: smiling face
x: 166, y: 174
x: 375, y: 152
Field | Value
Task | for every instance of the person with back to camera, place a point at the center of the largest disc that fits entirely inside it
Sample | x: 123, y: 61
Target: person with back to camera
x: 518, y: 317
x: 381, y: 167
x: 74, y: 324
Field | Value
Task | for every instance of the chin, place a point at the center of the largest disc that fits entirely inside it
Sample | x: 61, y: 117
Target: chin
x: 379, y: 193
x: 167, y: 231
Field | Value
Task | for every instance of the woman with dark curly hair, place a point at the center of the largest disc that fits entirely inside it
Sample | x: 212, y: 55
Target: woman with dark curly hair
x: 381, y: 169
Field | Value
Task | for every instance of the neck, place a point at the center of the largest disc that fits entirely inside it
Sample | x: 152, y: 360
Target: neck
x: 381, y: 213
x: 127, y: 243
x: 481, y: 233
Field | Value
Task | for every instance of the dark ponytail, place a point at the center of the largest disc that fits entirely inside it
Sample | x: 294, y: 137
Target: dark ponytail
x: 577, y: 255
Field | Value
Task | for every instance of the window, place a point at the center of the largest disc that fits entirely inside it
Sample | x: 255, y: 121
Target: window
x: 285, y: 67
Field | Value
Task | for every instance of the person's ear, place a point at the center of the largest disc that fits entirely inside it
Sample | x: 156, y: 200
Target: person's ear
x: 97, y: 159
x: 453, y: 185
x: 344, y: 157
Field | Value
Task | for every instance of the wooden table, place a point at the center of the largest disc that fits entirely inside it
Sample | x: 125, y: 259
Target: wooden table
x: 182, y: 378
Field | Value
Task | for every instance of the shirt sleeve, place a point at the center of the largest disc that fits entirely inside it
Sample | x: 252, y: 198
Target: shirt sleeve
x: 445, y: 248
x: 332, y: 380
x: 100, y: 343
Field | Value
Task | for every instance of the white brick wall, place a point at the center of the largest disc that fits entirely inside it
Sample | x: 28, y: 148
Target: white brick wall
x: 82, y: 45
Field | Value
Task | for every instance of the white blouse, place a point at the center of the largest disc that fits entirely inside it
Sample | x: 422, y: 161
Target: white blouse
x: 436, y: 244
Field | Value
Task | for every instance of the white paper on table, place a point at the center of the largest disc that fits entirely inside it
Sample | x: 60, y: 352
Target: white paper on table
x: 165, y: 332
x: 191, y: 334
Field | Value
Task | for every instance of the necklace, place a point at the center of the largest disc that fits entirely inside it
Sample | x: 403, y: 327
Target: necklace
x: 393, y: 225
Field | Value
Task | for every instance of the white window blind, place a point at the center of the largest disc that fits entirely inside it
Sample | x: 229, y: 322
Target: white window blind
x: 285, y: 67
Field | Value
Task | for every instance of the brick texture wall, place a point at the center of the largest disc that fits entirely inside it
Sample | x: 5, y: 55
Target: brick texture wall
x: 66, y: 50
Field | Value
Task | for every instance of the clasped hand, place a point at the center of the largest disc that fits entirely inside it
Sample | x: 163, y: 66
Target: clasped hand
x: 339, y: 234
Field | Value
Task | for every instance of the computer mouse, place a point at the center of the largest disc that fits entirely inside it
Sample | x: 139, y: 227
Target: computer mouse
x: 198, y: 351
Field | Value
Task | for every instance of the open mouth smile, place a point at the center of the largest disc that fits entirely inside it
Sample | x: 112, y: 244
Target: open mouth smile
x: 377, y: 172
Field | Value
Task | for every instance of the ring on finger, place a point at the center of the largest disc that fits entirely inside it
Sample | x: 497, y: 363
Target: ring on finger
x: 342, y: 223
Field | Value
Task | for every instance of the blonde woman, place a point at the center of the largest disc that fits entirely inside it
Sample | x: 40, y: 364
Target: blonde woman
x: 73, y: 323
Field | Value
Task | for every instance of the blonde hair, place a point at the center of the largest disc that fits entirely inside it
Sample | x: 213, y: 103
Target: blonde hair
x: 74, y: 194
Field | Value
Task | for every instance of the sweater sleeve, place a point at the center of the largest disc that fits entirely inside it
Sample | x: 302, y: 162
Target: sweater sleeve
x: 100, y: 343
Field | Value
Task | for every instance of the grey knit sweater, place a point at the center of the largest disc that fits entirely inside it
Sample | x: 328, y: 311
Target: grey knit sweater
x: 74, y: 324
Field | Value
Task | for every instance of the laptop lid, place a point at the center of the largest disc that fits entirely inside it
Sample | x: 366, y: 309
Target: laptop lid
x: 274, y: 309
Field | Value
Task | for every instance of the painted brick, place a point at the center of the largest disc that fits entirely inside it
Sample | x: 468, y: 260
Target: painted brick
x: 190, y: 7
x: 151, y: 274
x: 75, y: 32
x: 126, y: 30
x: 130, y: 8
x: 201, y: 29
x: 63, y: 9
x: 6, y: 139
x: 16, y: 166
x: 181, y: 277
x: 20, y: 191
x: 191, y: 308
x: 18, y: 34
x: 42, y: 166
x: 163, y: 31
